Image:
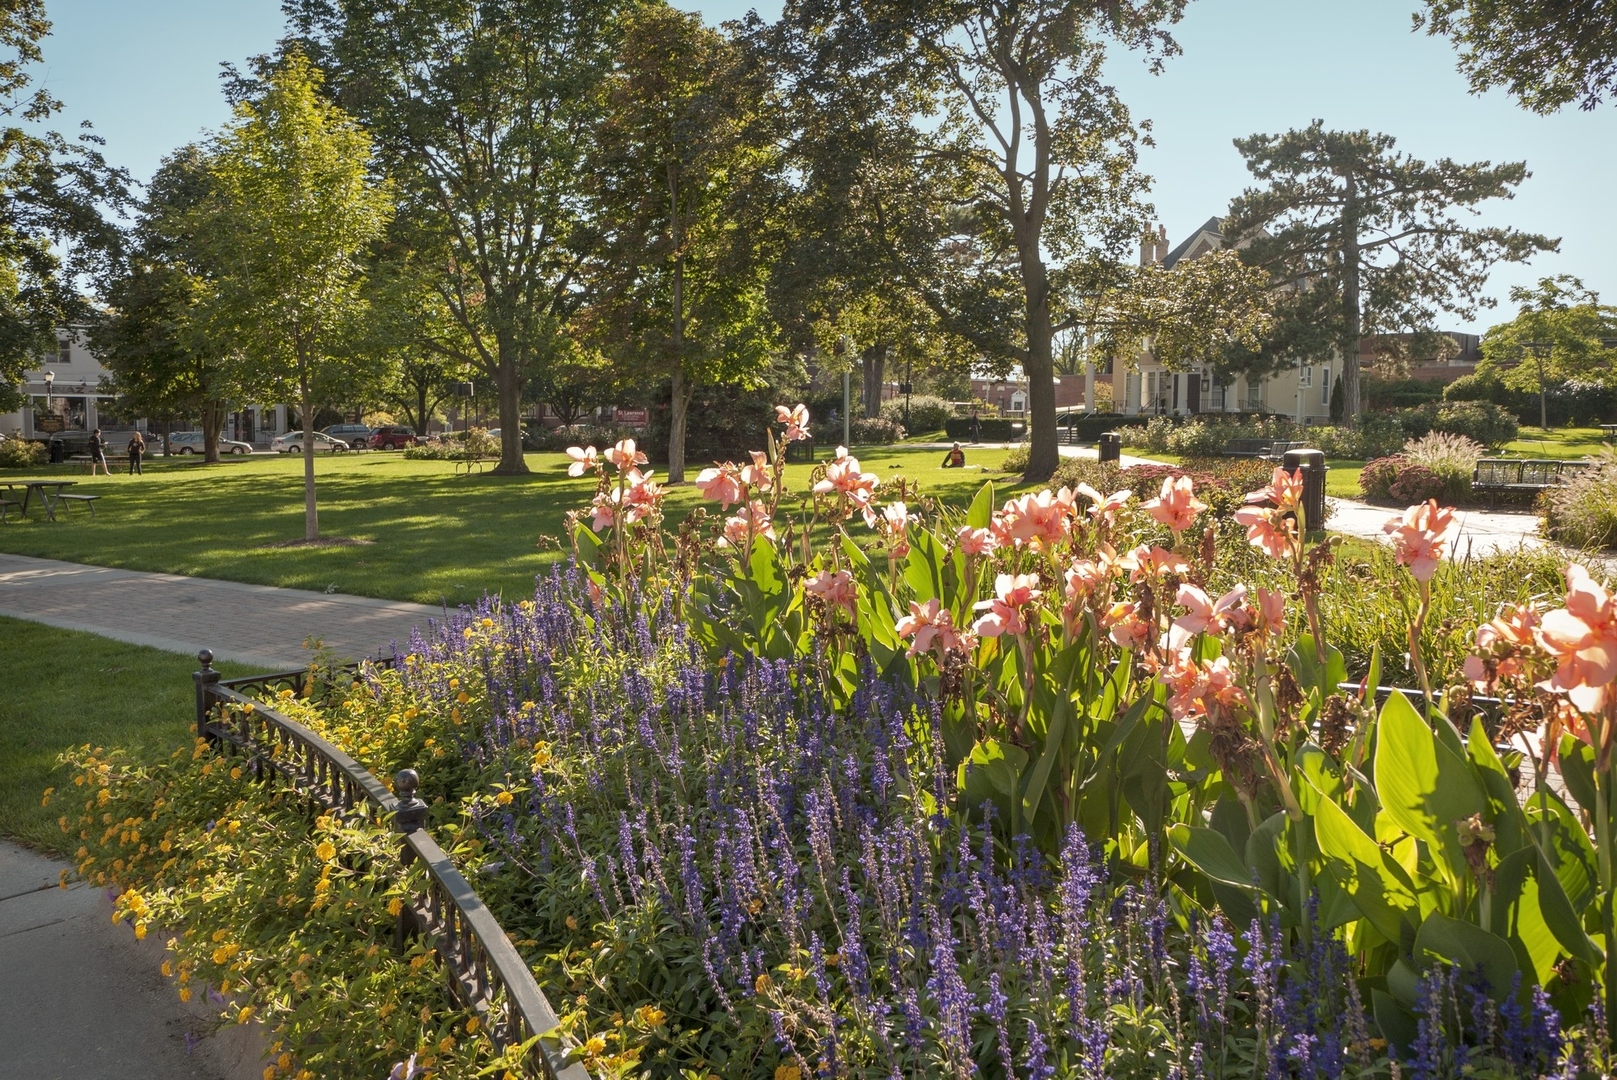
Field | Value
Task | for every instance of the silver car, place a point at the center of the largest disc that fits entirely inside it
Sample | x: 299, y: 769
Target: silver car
x: 191, y: 442
x: 292, y: 443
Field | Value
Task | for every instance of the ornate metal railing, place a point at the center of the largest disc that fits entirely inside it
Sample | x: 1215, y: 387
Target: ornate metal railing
x: 485, y: 971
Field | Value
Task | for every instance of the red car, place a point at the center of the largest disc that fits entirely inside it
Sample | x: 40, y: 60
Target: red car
x: 392, y: 437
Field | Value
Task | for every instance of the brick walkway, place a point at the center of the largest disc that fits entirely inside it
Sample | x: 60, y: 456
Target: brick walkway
x: 251, y: 624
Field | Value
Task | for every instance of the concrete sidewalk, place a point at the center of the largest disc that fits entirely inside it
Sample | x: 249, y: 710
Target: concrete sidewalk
x: 1475, y: 533
x: 251, y: 624
x: 83, y: 1002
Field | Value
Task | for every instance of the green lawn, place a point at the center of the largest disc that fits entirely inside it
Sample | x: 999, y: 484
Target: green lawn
x: 432, y: 537
x: 63, y: 688
x: 1558, y: 443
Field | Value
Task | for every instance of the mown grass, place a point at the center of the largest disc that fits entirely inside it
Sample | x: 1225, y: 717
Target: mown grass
x: 63, y: 688
x: 1558, y: 443
x: 430, y: 536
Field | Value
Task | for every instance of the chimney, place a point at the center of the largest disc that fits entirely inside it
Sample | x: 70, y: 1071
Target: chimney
x: 1162, y: 243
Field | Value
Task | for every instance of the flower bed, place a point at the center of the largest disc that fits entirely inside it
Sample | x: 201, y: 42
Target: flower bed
x: 1034, y: 790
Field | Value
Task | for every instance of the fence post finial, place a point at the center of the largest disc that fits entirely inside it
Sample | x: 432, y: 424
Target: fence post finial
x: 412, y: 812
x: 204, y: 679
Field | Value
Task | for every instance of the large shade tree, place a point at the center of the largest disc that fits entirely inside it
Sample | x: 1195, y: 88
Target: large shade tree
x: 679, y: 172
x: 1368, y: 240
x: 484, y: 112
x: 1013, y: 98
x: 54, y: 234
x: 296, y: 212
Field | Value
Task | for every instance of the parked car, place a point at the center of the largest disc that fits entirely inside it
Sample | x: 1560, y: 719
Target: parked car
x: 292, y: 443
x: 392, y: 437
x: 191, y: 442
x: 355, y: 435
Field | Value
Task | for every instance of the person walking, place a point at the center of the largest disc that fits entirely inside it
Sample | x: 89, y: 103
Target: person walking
x: 98, y: 453
x: 137, y: 450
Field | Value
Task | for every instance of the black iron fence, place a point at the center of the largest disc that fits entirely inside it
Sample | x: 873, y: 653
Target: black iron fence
x: 484, y: 970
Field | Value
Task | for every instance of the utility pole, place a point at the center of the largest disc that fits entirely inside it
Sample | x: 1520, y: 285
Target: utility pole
x: 847, y: 404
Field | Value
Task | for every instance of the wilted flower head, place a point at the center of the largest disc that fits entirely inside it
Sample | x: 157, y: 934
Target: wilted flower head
x: 583, y: 460
x: 1582, y: 637
x: 1011, y: 594
x: 1176, y: 506
x: 1419, y: 536
x: 796, y: 420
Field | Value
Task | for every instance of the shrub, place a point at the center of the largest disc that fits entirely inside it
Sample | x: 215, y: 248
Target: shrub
x: 1417, y: 483
x: 1200, y: 438
x: 1399, y: 393
x: 927, y: 413
x: 873, y: 430
x: 1583, y: 511
x: 1091, y: 426
x: 1016, y: 460
x: 22, y: 454
x: 1452, y: 458
x: 457, y: 446
x: 1377, y: 476
x: 987, y: 429
x: 597, y: 435
x: 1481, y: 421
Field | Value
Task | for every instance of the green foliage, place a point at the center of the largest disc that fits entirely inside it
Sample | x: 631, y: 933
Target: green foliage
x: 1558, y: 336
x: 926, y: 413
x: 474, y: 444
x: 874, y: 431
x: 1545, y: 56
x: 1480, y: 421
x: 20, y: 453
x: 1582, y: 512
x: 984, y: 429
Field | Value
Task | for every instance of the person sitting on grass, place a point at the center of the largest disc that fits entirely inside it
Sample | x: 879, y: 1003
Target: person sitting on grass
x: 955, y: 458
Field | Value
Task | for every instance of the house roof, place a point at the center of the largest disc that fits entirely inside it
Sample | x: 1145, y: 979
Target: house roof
x: 1211, y: 227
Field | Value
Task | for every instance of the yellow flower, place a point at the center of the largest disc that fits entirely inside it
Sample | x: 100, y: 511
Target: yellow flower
x: 503, y: 798
x: 487, y: 623
x: 394, y: 906
x: 269, y: 1072
x: 572, y: 923
x: 472, y: 1025
x: 463, y: 697
x: 45, y: 800
x: 185, y: 993
x: 140, y: 931
x: 788, y: 1072
x: 235, y: 774
x: 223, y: 953
x: 284, y: 1062
x: 541, y: 756
x: 245, y: 1015
x: 447, y: 1044
x: 234, y: 826
x: 594, y: 1045
x: 763, y: 983
x: 167, y: 969
x: 650, y: 1015
x: 325, y: 851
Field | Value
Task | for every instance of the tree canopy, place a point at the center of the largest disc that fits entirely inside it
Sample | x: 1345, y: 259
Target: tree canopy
x: 1366, y: 239
x: 1561, y: 333
x: 1545, y: 55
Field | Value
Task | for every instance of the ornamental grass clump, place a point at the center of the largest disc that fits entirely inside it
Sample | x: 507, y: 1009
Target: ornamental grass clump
x: 1582, y: 512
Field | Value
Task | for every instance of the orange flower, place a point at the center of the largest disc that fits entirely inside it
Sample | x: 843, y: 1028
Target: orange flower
x: 1152, y: 562
x: 928, y: 625
x: 1419, y: 536
x: 1267, y: 530
x: 1125, y: 627
x: 975, y: 541
x: 723, y: 485
x: 835, y: 589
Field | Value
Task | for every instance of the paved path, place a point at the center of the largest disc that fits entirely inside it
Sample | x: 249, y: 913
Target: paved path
x: 78, y: 1000
x: 1476, y: 532
x: 251, y: 624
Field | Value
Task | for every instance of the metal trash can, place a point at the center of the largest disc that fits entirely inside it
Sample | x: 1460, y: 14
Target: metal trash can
x: 1312, y: 464
x: 58, y: 451
x: 1111, y: 447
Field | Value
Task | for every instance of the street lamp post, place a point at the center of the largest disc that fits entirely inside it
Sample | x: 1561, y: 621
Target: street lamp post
x: 50, y: 381
x: 1539, y: 350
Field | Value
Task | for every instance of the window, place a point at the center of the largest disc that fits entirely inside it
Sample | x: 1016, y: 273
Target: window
x: 64, y: 350
x: 1325, y: 386
x: 1305, y: 376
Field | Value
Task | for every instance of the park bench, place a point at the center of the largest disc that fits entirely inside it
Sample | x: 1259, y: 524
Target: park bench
x: 800, y: 452
x: 1263, y: 449
x: 87, y: 500
x: 1494, y: 475
x: 7, y: 505
x: 477, y: 461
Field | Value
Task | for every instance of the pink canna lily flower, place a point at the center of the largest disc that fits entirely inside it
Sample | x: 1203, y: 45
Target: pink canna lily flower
x: 752, y: 518
x: 1036, y: 522
x: 796, y: 420
x: 1004, y: 612
x: 1152, y: 562
x: 1124, y: 625
x: 892, y: 521
x: 1271, y: 610
x: 835, y: 589
x: 1203, y: 613
x: 1284, y: 491
x: 975, y: 541
x: 1582, y: 637
x: 842, y: 475
x: 927, y: 626
x: 1419, y: 537
x: 624, y: 455
x: 583, y: 460
x: 1267, y: 530
x: 1106, y: 506
x: 723, y: 485
x: 1176, y: 506
x: 758, y: 475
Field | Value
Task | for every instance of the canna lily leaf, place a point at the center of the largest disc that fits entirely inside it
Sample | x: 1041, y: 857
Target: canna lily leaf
x: 1470, y: 949
x: 982, y: 507
x: 1422, y: 785
x: 1370, y: 877
x: 923, y: 566
x: 1208, y: 851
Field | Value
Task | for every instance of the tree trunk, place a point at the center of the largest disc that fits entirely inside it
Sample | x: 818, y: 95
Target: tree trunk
x: 311, y: 516
x: 874, y: 363
x: 419, y: 421
x: 1044, y: 452
x: 679, y: 405
x: 213, y: 421
x: 1352, y: 320
x: 510, y: 388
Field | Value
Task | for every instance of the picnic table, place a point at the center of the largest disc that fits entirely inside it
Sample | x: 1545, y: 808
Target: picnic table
x: 1610, y: 430
x: 50, y: 495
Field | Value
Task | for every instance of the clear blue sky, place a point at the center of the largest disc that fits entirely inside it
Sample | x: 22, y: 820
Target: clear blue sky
x: 146, y: 74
